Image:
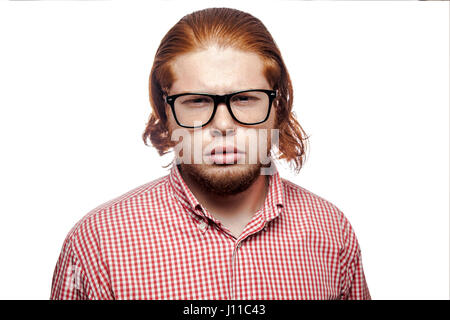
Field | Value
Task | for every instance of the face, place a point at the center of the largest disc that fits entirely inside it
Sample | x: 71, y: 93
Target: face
x: 224, y: 157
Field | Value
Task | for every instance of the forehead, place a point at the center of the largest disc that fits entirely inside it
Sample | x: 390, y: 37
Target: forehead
x: 219, y: 71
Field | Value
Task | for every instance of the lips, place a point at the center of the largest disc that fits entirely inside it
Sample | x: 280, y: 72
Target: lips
x: 225, y: 149
x: 225, y: 155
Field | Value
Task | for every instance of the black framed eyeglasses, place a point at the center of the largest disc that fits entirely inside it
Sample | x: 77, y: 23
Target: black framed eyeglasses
x: 196, y: 110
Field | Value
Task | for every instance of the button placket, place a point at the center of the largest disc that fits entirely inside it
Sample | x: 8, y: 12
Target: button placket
x: 233, y: 270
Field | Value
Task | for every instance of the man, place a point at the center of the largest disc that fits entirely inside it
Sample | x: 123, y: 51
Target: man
x: 223, y: 224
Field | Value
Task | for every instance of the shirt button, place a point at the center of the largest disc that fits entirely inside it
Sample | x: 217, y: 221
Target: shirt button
x: 202, y: 225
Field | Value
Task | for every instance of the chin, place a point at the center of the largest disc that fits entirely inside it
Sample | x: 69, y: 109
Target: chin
x: 222, y: 179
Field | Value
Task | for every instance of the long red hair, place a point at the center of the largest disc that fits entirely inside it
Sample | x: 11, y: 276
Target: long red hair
x: 224, y: 27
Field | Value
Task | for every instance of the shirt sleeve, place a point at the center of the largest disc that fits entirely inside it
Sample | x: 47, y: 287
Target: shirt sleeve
x: 69, y: 279
x: 353, y: 281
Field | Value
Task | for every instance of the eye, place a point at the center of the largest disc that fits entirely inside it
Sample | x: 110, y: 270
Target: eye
x: 194, y: 101
x: 197, y: 100
x: 244, y: 99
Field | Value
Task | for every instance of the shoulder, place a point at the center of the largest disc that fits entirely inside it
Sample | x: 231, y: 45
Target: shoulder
x: 317, y: 214
x: 303, y: 201
x: 119, y: 209
x: 304, y: 196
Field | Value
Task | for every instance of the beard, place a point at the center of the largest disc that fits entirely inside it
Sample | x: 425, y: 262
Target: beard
x: 222, y: 179
x: 225, y: 179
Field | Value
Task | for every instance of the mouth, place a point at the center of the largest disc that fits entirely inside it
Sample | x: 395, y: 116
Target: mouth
x: 224, y: 155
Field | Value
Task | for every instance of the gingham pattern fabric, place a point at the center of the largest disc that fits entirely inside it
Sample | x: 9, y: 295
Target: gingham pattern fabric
x: 158, y: 242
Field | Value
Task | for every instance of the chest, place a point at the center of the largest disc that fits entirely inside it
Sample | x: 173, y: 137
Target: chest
x: 279, y: 263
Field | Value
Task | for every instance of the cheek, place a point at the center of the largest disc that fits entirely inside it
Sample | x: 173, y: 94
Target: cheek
x: 257, y: 142
x: 272, y: 117
x: 181, y: 138
x: 171, y: 124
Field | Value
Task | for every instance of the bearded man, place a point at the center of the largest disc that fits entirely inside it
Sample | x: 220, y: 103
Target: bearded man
x: 222, y: 224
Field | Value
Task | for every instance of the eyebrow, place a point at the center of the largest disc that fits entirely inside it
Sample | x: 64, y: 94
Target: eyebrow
x: 213, y: 93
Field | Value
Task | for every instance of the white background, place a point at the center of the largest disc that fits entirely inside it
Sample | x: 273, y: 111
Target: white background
x: 370, y: 83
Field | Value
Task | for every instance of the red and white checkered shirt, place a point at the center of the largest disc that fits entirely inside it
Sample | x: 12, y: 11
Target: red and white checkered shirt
x: 158, y: 242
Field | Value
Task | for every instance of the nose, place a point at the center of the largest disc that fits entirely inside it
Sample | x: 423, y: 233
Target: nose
x: 223, y: 123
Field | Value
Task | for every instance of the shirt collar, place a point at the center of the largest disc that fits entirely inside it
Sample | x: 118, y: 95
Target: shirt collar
x: 272, y: 204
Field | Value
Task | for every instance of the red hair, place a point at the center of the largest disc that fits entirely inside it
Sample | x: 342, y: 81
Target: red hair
x: 225, y: 28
